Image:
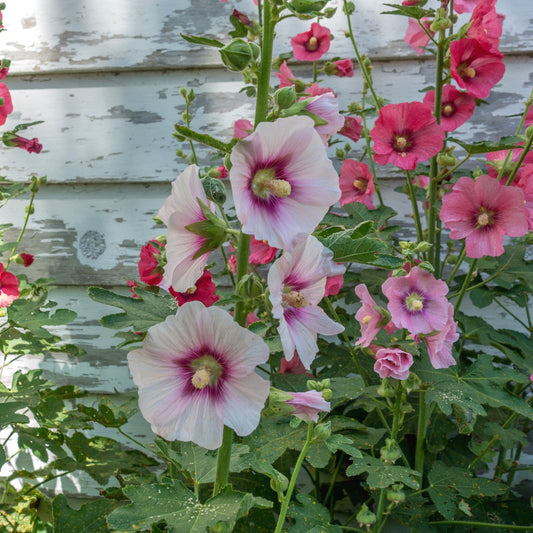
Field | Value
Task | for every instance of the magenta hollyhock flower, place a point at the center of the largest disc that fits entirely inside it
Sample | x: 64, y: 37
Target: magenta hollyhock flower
x: 4, y: 71
x: 7, y: 107
x: 529, y: 117
x: 285, y: 76
x: 27, y: 259
x: 406, y: 134
x: 415, y: 36
x: 9, y: 287
x: 483, y: 212
x: 261, y: 253
x: 344, y: 68
x: 311, y: 45
x: 440, y: 345
x: 456, y: 108
x: 475, y: 67
x: 294, y: 366
x: 526, y: 184
x: 393, y: 363
x: 32, y: 146
x: 196, y: 374
x: 308, y: 404
x: 151, y: 263
x: 464, y: 6
x: 369, y: 316
x: 182, y: 209
x: 282, y: 180
x: 357, y: 183
x: 242, y: 128
x: 417, y: 302
x: 315, y: 90
x: 353, y: 127
x: 486, y: 24
x: 334, y: 284
x: 202, y: 291
x: 326, y: 107
x: 297, y: 282
x: 222, y: 172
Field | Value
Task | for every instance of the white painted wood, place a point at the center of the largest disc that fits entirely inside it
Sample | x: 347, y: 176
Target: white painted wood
x: 62, y: 35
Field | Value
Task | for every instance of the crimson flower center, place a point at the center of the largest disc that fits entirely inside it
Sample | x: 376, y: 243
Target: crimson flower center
x: 312, y: 44
x: 207, y: 370
x: 265, y: 183
x: 414, y: 302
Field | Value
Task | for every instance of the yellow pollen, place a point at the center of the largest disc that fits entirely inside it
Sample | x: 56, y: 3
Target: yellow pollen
x: 469, y: 72
x: 312, y: 44
x: 401, y: 143
x: 191, y: 290
x: 414, y: 302
x: 447, y: 110
x: 367, y: 319
x: 201, y: 378
x: 483, y: 219
x: 360, y: 184
x: 279, y: 188
x: 294, y: 299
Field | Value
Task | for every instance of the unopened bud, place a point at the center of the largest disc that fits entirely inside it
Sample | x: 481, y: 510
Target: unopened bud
x: 249, y: 286
x: 365, y: 516
x: 386, y: 389
x: 323, y: 431
x: 391, y: 451
x: 236, y: 55
x: 285, y: 97
x: 446, y: 159
x: 395, y: 494
x: 214, y: 189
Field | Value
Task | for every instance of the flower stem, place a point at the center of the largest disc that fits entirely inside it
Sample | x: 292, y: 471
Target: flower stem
x: 414, y: 205
x: 292, y: 483
x: 223, y: 460
x: 421, y: 431
x: 464, y: 286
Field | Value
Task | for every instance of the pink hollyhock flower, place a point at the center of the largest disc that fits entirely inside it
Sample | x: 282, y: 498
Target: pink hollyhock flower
x: 475, y: 67
x: 393, y: 363
x: 30, y: 145
x: 294, y: 366
x: 311, y: 45
x: 415, y: 36
x: 297, y: 281
x: 406, y: 134
x: 285, y: 76
x: 151, y: 263
x: 369, y: 316
x: 261, y: 253
x: 181, y: 209
x: 7, y: 107
x: 440, y: 345
x: 222, y: 172
x: 526, y: 184
x: 334, y: 284
x: 464, y: 6
x: 326, y: 107
x: 308, y: 404
x: 484, y: 211
x: 9, y: 287
x: 486, y: 24
x: 529, y: 117
x: 196, y: 374
x: 353, y: 127
x: 456, y: 108
x: 27, y: 259
x: 315, y: 90
x: 202, y: 291
x: 417, y: 301
x: 357, y: 183
x: 344, y: 68
x: 282, y: 180
x: 4, y: 70
x: 242, y: 128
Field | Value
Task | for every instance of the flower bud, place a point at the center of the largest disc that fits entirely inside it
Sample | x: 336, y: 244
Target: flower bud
x: 386, y: 389
x: 395, y: 494
x: 214, y: 189
x: 412, y: 383
x: 365, y: 516
x: 446, y: 159
x: 279, y: 483
x: 323, y: 431
x: 441, y: 22
x: 249, y: 286
x: 529, y: 131
x: 237, y: 54
x: 285, y: 97
x: 391, y: 451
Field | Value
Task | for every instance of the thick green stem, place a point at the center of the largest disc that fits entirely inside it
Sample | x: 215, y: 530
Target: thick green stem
x: 292, y: 483
x: 223, y: 460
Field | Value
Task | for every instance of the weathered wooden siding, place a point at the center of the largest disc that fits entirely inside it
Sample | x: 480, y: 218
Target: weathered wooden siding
x: 105, y: 79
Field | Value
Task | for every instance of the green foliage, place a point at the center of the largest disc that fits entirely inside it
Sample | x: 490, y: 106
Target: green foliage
x: 89, y: 518
x: 381, y: 475
x: 310, y: 516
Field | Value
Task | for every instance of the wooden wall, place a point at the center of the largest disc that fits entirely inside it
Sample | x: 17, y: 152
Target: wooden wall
x: 105, y: 78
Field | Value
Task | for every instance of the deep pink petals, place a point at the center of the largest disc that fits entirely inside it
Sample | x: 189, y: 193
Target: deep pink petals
x: 456, y: 108
x: 308, y: 404
x: 393, y: 363
x: 9, y: 287
x: 311, y: 45
x: 353, y: 127
x: 415, y: 36
x: 357, y: 183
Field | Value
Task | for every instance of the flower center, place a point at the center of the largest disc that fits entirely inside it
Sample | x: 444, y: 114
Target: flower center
x: 265, y: 183
x: 360, y: 185
x: 191, y: 290
x: 294, y: 299
x: 484, y: 218
x: 312, y: 44
x: 469, y: 72
x: 207, y: 370
x: 366, y: 319
x: 401, y: 143
x: 448, y: 110
x: 414, y: 302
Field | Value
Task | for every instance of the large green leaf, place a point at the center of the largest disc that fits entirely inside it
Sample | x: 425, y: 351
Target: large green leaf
x: 482, y: 147
x: 89, y: 518
x: 140, y: 313
x: 9, y: 414
x: 347, y: 249
x: 174, y: 504
x: 381, y: 475
x: 310, y: 516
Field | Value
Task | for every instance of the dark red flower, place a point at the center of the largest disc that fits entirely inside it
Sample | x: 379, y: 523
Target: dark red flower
x: 203, y: 291
x: 27, y: 259
x: 9, y: 287
x: 151, y: 263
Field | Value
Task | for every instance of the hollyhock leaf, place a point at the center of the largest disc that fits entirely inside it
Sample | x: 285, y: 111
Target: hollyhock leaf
x: 507, y: 436
x: 89, y: 518
x: 341, y: 442
x: 360, y: 213
x: 482, y: 147
x: 173, y: 503
x: 9, y: 415
x: 513, y: 266
x: 345, y: 388
x: 140, y: 313
x: 347, y: 249
x: 194, y: 39
x: 381, y: 475
x: 408, y: 11
x: 310, y: 516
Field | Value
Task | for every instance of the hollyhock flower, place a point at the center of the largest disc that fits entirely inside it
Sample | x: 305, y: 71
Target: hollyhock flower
x: 185, y: 260
x: 261, y: 253
x: 308, y: 404
x: 356, y: 183
x: 456, y: 108
x: 486, y: 24
x: 202, y: 291
x: 353, y: 127
x: 334, y: 284
x: 417, y: 301
x: 529, y: 117
x: 315, y: 90
x: 475, y: 67
x: 27, y: 259
x: 151, y: 263
x: 393, y: 363
x: 9, y: 287
x: 7, y: 107
x: 297, y: 281
x: 526, y: 184
x: 4, y: 68
x: 415, y: 36
x: 326, y: 107
x: 483, y: 212
x: 406, y: 134
x: 222, y: 172
x: 496, y: 160
x: 196, y: 374
x: 342, y: 68
x: 311, y: 45
x: 369, y: 316
x: 242, y: 128
x: 294, y: 366
x: 282, y: 180
x: 285, y: 76
x: 440, y: 345
x: 30, y: 145
x: 464, y: 6
x: 132, y: 284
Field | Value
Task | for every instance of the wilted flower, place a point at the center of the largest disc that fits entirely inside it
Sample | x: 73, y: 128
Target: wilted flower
x: 151, y: 263
x: 440, y: 345
x: 415, y: 36
x: 353, y: 127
